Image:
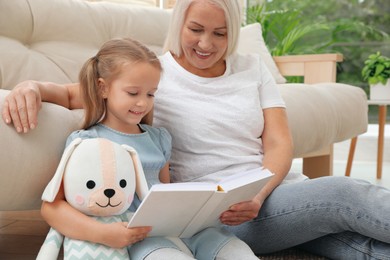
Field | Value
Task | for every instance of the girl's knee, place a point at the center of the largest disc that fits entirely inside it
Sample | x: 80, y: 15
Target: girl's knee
x: 236, y: 249
x: 168, y: 254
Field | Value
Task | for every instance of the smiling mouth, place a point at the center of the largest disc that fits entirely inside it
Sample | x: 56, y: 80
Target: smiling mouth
x: 203, y: 54
x: 136, y: 112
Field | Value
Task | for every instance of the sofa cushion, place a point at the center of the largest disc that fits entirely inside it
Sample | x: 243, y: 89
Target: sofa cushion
x: 322, y: 114
x: 33, y: 32
x: 251, y: 41
x: 28, y: 161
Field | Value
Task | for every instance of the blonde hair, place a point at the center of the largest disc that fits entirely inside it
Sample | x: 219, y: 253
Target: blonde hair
x: 232, y: 11
x: 106, y: 64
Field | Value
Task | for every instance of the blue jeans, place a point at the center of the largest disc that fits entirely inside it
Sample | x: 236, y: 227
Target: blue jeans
x: 335, y: 217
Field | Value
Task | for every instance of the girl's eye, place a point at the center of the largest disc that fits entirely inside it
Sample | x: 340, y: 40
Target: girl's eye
x: 132, y: 93
x: 151, y: 95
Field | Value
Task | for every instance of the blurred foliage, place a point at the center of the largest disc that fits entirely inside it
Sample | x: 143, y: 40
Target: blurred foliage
x: 354, y: 28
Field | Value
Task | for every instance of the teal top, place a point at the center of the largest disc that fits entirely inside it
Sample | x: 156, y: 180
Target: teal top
x: 153, y: 146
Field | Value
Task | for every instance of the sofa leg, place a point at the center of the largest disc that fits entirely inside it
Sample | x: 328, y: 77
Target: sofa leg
x: 318, y: 166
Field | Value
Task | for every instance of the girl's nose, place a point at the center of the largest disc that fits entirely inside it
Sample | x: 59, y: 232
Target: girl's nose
x: 141, y: 102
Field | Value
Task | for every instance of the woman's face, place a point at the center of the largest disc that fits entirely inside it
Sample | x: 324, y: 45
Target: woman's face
x: 204, y: 40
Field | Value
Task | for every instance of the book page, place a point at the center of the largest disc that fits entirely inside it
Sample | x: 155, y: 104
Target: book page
x: 249, y: 184
x: 243, y: 178
x: 170, y: 211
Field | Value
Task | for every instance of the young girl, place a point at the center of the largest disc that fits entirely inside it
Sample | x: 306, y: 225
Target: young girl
x: 117, y: 88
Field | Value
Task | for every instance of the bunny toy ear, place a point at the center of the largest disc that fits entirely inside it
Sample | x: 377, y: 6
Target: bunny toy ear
x: 52, y: 188
x: 141, y: 187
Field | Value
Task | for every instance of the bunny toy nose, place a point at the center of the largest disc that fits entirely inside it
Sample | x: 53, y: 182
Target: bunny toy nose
x: 109, y: 192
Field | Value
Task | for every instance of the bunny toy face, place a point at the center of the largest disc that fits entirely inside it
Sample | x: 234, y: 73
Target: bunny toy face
x: 99, y: 178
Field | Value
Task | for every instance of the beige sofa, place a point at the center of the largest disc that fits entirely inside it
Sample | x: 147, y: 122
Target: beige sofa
x: 49, y: 41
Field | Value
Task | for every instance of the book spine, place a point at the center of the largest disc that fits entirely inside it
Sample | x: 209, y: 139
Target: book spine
x: 202, y: 219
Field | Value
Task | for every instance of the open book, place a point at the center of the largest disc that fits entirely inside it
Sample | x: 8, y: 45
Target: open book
x: 183, y: 209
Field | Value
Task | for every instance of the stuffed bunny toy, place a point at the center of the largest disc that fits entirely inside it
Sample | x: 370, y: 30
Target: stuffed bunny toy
x: 100, y: 179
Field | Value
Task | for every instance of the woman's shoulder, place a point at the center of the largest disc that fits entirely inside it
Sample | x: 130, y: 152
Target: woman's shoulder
x: 246, y: 63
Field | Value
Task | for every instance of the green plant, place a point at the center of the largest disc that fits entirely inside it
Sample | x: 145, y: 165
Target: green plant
x: 285, y: 33
x: 376, y: 69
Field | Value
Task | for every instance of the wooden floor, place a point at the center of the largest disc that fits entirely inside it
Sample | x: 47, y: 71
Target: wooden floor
x: 21, y: 234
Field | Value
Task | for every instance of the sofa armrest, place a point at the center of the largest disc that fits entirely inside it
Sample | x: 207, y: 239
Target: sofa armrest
x: 315, y: 68
x: 28, y: 161
x: 319, y: 68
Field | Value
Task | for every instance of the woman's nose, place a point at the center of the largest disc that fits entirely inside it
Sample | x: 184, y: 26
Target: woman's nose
x: 205, y: 42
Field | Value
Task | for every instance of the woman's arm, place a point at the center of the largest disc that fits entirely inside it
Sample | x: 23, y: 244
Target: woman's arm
x: 278, y: 148
x: 74, y: 224
x: 22, y: 105
x: 164, y: 174
x: 278, y: 152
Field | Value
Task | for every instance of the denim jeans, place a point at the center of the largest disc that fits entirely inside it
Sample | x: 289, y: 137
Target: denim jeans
x: 335, y: 217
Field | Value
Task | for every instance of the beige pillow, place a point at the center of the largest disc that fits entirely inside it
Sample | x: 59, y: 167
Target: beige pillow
x: 251, y: 41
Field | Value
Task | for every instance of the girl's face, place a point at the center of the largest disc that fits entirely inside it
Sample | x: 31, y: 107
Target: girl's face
x: 130, y: 96
x: 204, y: 40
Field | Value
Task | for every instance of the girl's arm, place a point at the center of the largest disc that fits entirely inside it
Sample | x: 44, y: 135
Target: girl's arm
x: 278, y: 152
x: 164, y: 174
x: 22, y: 105
x: 74, y: 224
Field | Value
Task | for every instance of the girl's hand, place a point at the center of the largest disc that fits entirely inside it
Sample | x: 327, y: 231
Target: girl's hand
x: 241, y: 212
x: 22, y: 105
x: 117, y: 235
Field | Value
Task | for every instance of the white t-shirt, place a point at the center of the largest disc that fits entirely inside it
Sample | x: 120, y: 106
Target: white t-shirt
x: 215, y: 123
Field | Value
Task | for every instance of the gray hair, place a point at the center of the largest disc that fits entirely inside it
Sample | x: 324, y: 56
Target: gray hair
x: 232, y: 11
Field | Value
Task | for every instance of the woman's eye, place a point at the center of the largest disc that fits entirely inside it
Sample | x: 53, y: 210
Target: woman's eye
x: 196, y: 30
x: 132, y: 93
x: 151, y: 95
x: 219, y: 34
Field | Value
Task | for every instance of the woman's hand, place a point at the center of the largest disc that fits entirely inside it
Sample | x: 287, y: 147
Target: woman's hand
x: 241, y: 212
x: 117, y: 235
x: 22, y: 105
